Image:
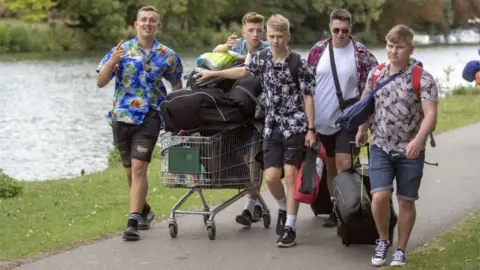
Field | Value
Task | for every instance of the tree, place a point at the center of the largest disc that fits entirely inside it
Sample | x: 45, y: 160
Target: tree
x: 362, y: 11
x: 30, y: 10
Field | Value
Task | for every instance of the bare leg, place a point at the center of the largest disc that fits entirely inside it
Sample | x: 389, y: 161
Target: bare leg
x: 381, y: 212
x: 406, y: 220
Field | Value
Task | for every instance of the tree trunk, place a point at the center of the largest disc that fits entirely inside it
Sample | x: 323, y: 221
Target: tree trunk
x: 368, y: 22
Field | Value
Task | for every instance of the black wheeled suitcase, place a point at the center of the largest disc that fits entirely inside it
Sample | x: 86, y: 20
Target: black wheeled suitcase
x: 352, y: 204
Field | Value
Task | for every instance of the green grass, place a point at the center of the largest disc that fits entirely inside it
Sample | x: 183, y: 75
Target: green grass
x: 458, y: 248
x: 54, y: 215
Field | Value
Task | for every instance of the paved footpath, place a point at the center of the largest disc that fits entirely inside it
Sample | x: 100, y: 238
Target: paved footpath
x: 448, y: 193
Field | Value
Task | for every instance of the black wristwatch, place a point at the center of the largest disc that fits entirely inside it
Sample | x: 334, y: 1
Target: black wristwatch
x: 311, y: 129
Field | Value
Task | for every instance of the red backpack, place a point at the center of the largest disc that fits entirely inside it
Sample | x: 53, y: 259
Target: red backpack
x: 416, y: 77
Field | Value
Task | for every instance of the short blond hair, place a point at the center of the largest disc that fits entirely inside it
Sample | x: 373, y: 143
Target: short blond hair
x: 400, y: 33
x: 279, y: 23
x: 147, y: 8
x: 253, y: 17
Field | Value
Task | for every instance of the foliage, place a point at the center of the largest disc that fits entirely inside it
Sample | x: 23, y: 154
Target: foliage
x: 23, y: 38
x: 199, y: 24
x: 9, y: 187
x: 30, y: 10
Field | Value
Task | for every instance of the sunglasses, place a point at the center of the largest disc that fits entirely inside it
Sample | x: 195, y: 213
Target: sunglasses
x: 337, y: 30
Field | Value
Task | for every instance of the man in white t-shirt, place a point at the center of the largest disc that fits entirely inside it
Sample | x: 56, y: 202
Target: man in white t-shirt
x: 352, y: 62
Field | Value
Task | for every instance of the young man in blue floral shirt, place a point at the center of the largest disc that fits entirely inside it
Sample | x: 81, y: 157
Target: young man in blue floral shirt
x: 138, y: 67
x: 289, y: 117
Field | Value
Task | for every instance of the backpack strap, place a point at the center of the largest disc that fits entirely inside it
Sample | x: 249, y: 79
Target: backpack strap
x: 376, y: 74
x: 263, y: 56
x: 416, y: 79
x: 293, y: 61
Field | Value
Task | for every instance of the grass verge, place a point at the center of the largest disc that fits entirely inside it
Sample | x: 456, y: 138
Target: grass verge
x: 58, y: 214
x: 54, y: 215
x: 458, y: 248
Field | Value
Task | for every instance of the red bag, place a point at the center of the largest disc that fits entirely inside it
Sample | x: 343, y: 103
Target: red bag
x: 310, y: 198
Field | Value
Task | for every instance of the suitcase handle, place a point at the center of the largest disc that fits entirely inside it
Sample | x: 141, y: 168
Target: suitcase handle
x: 352, y: 145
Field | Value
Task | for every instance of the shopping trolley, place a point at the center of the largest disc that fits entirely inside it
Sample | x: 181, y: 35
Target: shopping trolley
x: 224, y: 160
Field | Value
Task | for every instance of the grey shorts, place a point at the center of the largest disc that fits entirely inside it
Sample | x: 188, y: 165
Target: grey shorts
x: 386, y: 167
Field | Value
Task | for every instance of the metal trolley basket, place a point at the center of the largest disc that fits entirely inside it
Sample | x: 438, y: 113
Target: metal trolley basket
x: 224, y: 160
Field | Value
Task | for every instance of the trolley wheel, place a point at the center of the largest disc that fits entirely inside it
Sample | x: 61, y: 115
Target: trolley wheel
x: 211, y: 232
x: 173, y: 227
x: 205, y: 218
x: 266, y: 220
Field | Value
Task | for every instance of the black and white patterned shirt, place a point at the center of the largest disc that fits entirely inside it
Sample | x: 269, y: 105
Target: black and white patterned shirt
x: 398, y: 109
x: 285, y: 106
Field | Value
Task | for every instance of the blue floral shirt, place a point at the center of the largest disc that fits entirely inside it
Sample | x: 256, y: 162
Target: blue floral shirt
x: 241, y: 46
x: 138, y: 80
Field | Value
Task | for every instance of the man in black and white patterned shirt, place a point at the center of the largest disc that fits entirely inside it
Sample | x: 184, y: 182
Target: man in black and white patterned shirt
x: 289, y: 117
x: 402, y: 121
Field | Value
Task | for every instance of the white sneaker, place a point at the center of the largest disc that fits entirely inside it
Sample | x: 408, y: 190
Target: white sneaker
x: 380, y: 256
x: 398, y: 258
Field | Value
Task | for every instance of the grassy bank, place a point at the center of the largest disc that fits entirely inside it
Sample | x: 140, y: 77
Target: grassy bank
x: 458, y: 248
x: 53, y: 215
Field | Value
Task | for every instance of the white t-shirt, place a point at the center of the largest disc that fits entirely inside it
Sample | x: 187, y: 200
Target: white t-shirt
x: 327, y: 108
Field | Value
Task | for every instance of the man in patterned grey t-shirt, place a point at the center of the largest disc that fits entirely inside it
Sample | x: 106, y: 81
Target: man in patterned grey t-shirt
x: 400, y: 127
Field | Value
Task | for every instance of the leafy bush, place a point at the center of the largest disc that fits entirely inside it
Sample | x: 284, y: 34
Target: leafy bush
x: 465, y: 90
x: 9, y: 187
x: 15, y: 38
x: 367, y: 38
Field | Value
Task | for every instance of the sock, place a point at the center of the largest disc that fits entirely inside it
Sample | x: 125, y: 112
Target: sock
x: 133, y: 219
x: 250, y: 205
x: 145, y: 210
x: 291, y: 221
x: 282, y: 204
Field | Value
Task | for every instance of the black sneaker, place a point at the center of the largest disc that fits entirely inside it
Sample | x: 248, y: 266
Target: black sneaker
x: 288, y: 238
x: 282, y: 218
x: 380, y: 256
x: 131, y: 233
x: 145, y: 221
x: 331, y: 221
x: 245, y: 218
x: 257, y: 213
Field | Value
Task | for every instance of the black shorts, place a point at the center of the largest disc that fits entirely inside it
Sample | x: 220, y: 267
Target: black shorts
x: 137, y: 141
x: 339, y: 143
x: 278, y: 151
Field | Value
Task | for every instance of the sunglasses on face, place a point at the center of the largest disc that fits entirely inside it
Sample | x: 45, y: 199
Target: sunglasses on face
x: 343, y: 30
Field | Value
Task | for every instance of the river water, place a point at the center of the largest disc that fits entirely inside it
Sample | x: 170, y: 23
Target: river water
x: 52, y: 117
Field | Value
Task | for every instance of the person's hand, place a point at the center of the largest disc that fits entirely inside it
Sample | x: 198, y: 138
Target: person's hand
x: 203, y: 75
x: 361, y: 138
x: 118, y: 54
x: 414, y: 147
x: 309, y: 139
x: 232, y: 40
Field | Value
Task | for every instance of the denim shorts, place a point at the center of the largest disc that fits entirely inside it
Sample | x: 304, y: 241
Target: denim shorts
x: 407, y: 172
